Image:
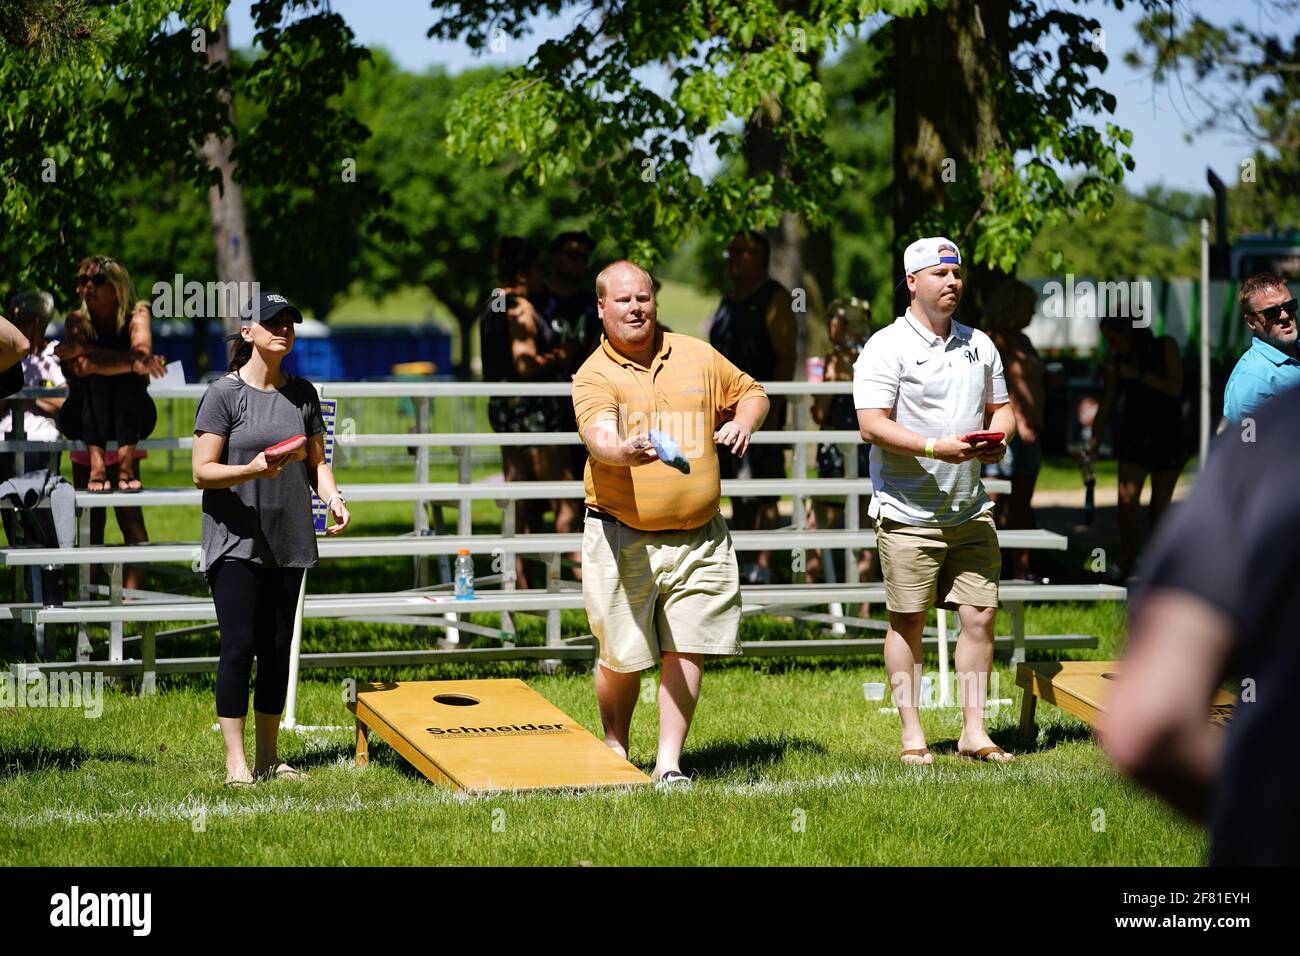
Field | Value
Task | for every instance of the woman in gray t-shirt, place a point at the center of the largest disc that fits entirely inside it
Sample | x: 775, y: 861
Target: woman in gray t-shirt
x: 258, y: 533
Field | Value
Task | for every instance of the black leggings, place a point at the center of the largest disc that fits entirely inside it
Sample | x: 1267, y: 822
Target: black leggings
x: 255, y: 611
x: 115, y: 408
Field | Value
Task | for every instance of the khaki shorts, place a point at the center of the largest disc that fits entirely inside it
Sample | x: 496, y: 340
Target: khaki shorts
x: 647, y: 592
x: 926, y: 567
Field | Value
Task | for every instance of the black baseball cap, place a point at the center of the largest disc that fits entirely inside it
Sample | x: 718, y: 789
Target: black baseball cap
x: 266, y: 306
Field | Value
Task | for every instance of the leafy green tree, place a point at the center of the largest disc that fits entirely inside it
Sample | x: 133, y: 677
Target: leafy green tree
x: 992, y: 139
x: 1240, y: 79
x: 136, y: 101
x: 449, y: 210
x: 1155, y: 234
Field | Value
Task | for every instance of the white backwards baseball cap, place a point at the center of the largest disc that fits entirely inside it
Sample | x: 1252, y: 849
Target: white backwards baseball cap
x: 931, y: 251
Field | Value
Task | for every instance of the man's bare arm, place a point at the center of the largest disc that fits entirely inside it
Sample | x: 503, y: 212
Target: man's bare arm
x: 13, y: 345
x: 1157, y: 726
x: 604, y: 444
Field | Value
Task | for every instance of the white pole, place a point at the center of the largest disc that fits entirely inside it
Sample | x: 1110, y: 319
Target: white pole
x: 290, y: 719
x: 1205, y: 342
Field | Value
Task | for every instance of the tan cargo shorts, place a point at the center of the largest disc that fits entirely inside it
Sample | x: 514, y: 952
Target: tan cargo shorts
x: 647, y: 592
x: 926, y: 567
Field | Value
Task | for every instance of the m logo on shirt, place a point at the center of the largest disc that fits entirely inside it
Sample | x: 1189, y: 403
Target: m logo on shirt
x: 973, y: 355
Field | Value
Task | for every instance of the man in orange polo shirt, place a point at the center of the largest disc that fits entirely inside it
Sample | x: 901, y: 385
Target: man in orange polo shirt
x: 659, y: 576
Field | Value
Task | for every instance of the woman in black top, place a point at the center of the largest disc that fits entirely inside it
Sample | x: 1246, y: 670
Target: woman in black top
x: 259, y: 536
x: 1143, y: 394
x: 107, y: 356
x: 108, y: 350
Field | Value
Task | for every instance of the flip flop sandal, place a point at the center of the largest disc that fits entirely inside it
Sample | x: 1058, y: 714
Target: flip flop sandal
x: 987, y: 755
x: 106, y: 486
x: 282, y: 772
x: 917, y: 756
x: 238, y: 784
x: 128, y: 482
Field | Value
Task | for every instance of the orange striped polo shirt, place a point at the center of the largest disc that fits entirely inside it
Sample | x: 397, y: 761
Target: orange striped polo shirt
x: 688, y: 392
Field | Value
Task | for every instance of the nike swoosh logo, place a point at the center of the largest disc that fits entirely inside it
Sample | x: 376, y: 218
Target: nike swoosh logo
x: 921, y: 361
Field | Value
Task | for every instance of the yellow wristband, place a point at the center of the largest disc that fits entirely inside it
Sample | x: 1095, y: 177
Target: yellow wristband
x: 929, y: 448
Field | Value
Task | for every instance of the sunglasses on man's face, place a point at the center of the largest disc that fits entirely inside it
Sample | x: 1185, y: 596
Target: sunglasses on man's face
x: 97, y: 279
x: 1274, y: 312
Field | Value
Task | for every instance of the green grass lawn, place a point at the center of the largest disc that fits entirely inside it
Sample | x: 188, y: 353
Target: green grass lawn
x: 792, y: 767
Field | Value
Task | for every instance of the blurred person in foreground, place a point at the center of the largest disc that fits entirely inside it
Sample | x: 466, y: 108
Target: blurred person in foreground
x: 13, y: 346
x: 1217, y: 600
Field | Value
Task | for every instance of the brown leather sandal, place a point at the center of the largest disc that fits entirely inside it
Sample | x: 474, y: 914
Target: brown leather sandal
x: 987, y: 755
x: 918, y: 755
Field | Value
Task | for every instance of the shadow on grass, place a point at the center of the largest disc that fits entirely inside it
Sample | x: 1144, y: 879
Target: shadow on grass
x: 38, y: 757
x: 750, y: 758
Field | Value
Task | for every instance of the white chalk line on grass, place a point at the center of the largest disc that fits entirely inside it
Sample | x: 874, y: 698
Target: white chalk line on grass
x: 190, y: 808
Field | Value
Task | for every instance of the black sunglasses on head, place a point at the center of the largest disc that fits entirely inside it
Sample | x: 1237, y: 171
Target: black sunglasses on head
x: 1274, y: 312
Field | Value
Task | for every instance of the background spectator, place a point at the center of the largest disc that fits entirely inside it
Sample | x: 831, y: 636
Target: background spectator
x: 1272, y: 363
x: 31, y: 312
x: 1144, y: 385
x: 107, y: 356
x: 1010, y: 309
x: 517, y: 346
x: 754, y: 327
x: 847, y: 325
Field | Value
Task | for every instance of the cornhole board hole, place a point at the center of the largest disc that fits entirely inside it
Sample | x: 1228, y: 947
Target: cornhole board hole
x: 485, y: 735
x: 1081, y: 688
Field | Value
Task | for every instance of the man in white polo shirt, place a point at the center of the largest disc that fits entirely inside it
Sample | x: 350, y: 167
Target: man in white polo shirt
x: 919, y: 386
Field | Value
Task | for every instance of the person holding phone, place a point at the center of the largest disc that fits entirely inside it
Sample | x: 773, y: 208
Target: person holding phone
x: 914, y: 382
x: 258, y: 533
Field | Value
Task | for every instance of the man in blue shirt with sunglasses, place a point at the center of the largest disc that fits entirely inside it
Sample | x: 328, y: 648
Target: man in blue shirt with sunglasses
x: 1272, y: 363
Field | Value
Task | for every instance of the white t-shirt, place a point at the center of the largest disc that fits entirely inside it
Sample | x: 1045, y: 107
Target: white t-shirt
x: 39, y: 371
x: 934, y: 387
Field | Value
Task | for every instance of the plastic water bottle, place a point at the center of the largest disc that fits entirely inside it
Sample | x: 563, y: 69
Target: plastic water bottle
x: 464, y: 576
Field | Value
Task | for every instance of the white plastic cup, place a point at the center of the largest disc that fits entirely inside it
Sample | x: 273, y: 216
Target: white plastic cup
x: 873, y: 690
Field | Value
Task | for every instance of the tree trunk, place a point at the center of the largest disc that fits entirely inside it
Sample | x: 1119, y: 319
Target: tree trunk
x: 948, y: 65
x: 226, y: 203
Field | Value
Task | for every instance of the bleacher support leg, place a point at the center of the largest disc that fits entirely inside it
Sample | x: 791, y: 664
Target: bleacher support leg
x: 1017, y: 611
x: 115, y: 599
x: 83, y: 583
x: 148, y: 656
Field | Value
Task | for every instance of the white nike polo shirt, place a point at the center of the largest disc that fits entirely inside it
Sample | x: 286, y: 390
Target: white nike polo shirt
x: 935, y: 387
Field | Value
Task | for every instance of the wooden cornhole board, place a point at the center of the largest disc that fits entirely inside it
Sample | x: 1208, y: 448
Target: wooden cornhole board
x: 484, y: 735
x: 1082, y: 688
